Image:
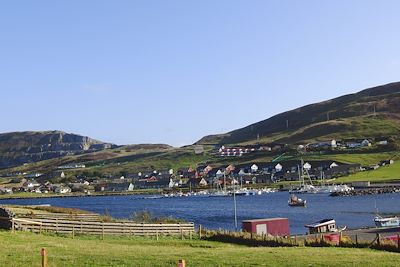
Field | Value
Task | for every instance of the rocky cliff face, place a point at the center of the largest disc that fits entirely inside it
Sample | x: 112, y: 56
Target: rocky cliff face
x: 24, y: 147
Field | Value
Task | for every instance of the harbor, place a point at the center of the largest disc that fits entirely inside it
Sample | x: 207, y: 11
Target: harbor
x: 218, y: 212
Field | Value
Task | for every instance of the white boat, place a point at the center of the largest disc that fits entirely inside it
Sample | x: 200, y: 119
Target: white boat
x: 387, y: 222
x: 241, y: 192
x: 218, y: 194
x: 309, y: 188
x: 304, y: 189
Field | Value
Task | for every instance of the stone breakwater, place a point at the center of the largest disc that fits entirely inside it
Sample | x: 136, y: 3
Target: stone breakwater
x: 368, y: 191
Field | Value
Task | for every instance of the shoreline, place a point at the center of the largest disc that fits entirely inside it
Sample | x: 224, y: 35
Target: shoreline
x: 368, y: 191
x: 11, y: 197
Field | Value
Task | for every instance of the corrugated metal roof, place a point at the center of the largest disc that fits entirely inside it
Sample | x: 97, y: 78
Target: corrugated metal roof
x: 265, y: 220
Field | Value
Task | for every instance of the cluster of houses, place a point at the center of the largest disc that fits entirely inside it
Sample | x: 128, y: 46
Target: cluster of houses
x: 72, y: 166
x: 271, y: 172
x: 346, y: 144
x: 201, y: 176
x: 238, y: 151
x: 34, y: 186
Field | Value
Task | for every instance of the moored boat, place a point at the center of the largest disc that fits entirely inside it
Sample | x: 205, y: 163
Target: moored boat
x: 294, y: 201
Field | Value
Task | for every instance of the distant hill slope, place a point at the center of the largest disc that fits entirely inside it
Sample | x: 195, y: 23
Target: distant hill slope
x: 372, y: 112
x: 17, y: 148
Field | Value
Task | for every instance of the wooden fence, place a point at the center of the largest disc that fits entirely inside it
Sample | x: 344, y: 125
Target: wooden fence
x: 101, y: 228
x: 61, y: 216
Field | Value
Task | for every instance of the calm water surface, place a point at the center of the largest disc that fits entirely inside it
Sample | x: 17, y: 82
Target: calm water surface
x: 218, y: 212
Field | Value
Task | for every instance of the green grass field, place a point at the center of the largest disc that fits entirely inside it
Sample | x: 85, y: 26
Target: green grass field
x: 388, y: 173
x: 361, y: 158
x: 23, y: 249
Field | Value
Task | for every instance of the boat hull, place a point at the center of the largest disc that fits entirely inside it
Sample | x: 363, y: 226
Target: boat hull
x: 387, y: 222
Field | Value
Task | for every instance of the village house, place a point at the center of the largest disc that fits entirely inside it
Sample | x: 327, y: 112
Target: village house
x: 187, y: 173
x: 5, y: 190
x: 386, y: 162
x: 30, y: 185
x: 61, y: 189
x: 382, y: 143
x: 119, y: 187
x: 32, y: 175
x: 197, y: 182
x: 155, y: 183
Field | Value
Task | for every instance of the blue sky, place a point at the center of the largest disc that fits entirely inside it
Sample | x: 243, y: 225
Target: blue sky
x: 173, y: 71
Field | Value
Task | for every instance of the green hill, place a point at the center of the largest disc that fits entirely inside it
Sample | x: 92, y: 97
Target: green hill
x: 370, y: 113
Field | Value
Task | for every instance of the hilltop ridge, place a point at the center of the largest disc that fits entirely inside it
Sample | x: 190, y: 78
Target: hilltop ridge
x: 342, y: 116
x: 17, y: 148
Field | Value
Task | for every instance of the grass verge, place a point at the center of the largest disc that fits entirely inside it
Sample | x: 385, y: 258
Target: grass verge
x: 23, y: 249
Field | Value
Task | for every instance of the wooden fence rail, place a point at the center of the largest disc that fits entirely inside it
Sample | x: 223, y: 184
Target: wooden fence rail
x: 101, y: 228
x: 86, y: 217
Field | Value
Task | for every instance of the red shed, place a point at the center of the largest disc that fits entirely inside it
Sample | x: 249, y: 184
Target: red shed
x: 271, y: 226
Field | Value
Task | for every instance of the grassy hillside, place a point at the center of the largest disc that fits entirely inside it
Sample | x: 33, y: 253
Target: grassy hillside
x: 22, y: 249
x: 389, y: 173
x: 122, y: 159
x: 362, y: 158
x: 372, y: 112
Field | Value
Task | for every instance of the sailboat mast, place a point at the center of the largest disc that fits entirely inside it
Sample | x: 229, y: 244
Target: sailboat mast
x: 224, y: 182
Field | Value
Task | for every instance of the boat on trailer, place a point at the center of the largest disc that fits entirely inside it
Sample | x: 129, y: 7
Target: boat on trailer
x: 387, y: 221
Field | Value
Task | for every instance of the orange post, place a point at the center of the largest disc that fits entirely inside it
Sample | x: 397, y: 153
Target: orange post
x: 181, y: 263
x: 44, y: 257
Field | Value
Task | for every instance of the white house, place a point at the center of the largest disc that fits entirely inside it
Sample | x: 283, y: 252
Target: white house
x: 307, y: 166
x: 365, y: 143
x: 5, y: 190
x: 333, y: 165
x: 254, y: 168
x: 333, y: 143
x: 278, y: 167
x: 62, y: 190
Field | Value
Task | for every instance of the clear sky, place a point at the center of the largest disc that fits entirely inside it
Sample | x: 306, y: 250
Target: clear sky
x: 173, y: 71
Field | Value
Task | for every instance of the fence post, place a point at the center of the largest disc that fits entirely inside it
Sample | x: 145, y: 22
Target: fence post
x: 157, y: 235
x: 190, y: 234
x: 181, y: 263
x: 56, y: 225
x: 199, y: 231
x: 378, y: 239
x: 12, y: 225
x: 357, y: 240
x: 44, y: 257
x: 73, y: 231
x: 181, y: 233
x: 102, y: 230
